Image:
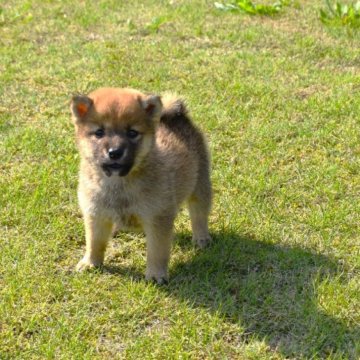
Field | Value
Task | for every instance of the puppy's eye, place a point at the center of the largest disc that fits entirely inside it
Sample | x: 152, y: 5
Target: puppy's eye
x: 132, y: 134
x: 99, y: 133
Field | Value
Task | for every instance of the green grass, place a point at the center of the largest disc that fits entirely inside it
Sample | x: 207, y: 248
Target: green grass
x: 341, y: 14
x: 248, y: 7
x: 279, y: 101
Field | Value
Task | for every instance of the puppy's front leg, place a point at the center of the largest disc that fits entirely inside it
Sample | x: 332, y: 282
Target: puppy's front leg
x: 159, y: 233
x: 97, y: 231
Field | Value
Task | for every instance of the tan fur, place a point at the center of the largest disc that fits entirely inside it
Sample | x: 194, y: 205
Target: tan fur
x: 170, y: 166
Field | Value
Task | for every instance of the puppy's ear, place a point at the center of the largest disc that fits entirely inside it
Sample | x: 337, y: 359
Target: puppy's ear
x: 152, y: 105
x: 80, y: 106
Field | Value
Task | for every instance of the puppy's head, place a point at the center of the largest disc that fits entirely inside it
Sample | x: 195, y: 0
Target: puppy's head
x: 115, y: 128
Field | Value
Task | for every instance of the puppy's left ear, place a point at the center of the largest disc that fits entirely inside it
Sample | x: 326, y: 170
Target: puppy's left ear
x: 80, y: 106
x: 152, y: 105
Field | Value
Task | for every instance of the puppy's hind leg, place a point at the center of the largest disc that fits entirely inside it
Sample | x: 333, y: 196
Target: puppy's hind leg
x: 199, y: 205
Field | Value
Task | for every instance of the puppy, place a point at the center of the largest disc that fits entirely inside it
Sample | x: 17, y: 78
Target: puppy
x: 141, y: 158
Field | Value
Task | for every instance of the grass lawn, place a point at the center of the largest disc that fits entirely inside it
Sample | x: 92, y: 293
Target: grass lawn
x: 279, y: 100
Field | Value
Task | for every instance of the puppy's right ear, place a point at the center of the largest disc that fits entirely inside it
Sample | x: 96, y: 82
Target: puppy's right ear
x: 80, y: 106
x: 152, y: 105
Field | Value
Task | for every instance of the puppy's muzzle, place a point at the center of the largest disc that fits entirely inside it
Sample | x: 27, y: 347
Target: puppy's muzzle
x: 118, y: 163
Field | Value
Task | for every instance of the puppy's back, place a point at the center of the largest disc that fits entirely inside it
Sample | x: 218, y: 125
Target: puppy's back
x: 189, y: 157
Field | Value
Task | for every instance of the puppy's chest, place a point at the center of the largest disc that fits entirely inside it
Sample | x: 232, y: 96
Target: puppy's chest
x: 128, y: 204
x: 123, y: 207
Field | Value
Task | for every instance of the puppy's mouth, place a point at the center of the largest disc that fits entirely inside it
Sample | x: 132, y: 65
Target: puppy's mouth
x: 121, y: 169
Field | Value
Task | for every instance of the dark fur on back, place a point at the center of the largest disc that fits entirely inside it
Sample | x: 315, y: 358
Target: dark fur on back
x: 176, y: 119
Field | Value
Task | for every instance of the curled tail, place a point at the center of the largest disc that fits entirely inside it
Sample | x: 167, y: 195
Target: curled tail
x: 173, y: 107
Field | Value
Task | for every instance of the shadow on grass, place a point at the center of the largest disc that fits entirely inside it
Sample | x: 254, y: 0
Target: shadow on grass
x: 132, y: 271
x: 271, y: 290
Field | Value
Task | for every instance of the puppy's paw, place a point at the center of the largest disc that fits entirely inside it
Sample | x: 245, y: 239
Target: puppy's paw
x: 161, y: 278
x: 202, y: 242
x: 86, y: 264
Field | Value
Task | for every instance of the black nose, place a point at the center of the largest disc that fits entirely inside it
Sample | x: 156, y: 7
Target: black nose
x: 116, y: 153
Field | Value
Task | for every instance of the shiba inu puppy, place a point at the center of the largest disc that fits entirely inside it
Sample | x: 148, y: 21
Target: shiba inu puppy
x: 141, y: 158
